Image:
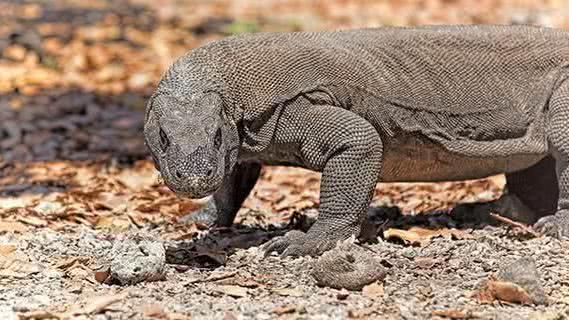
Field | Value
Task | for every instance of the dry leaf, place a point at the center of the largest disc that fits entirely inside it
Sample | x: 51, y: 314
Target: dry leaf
x: 289, y: 292
x: 102, y: 275
x: 408, y: 237
x: 7, y: 249
x: 99, y: 304
x: 422, y: 236
x: 39, y: 314
x: 137, y: 179
x: 234, y: 291
x: 113, y: 222
x: 67, y: 263
x: 18, y: 266
x: 213, y: 277
x: 245, y: 282
x: 503, y: 291
x: 33, y: 221
x: 10, y: 226
x: 373, y: 290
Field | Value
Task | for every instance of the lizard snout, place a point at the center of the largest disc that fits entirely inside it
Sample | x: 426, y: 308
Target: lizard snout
x: 195, y: 175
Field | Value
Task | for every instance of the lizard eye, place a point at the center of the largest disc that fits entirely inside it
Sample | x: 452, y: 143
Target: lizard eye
x: 164, y: 141
x: 217, y: 139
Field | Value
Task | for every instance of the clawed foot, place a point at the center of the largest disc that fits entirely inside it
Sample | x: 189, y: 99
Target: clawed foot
x: 296, y: 244
x: 556, y: 225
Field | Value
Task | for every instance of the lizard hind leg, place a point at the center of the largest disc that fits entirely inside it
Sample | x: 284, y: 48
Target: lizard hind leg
x: 537, y: 188
x: 557, y: 129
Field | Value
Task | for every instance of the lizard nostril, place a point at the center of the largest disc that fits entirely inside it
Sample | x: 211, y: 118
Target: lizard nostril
x: 178, y: 174
x: 209, y: 172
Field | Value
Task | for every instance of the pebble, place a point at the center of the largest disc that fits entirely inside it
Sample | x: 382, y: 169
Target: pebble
x: 524, y: 273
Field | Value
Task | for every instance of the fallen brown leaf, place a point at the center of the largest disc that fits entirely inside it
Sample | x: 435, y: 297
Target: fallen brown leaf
x: 213, y: 277
x: 18, y: 266
x: 234, y: 291
x: 69, y: 262
x: 99, y: 304
x: 12, y: 226
x: 33, y: 221
x: 289, y: 292
x: 113, y: 222
x: 102, y: 275
x: 138, y: 179
x: 422, y: 236
x: 7, y: 249
x: 503, y: 291
x: 39, y: 315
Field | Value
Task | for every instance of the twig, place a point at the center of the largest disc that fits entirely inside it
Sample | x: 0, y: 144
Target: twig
x: 514, y: 224
x: 213, y: 277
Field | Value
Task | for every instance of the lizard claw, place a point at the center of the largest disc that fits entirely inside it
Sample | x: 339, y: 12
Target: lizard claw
x: 556, y: 226
x: 296, y: 244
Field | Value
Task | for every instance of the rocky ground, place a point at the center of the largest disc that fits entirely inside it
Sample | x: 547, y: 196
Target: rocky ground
x: 87, y: 230
x: 54, y: 274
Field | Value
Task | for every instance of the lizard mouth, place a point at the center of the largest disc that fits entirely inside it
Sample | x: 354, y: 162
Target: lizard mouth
x: 195, y: 188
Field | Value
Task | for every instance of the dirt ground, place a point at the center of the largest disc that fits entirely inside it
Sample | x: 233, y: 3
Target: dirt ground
x: 76, y: 181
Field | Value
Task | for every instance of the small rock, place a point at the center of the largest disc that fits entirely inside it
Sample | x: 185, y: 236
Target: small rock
x: 408, y: 253
x: 348, y: 266
x: 137, y: 259
x: 524, y: 273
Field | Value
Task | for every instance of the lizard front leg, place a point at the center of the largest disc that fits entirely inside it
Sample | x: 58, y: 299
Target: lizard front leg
x: 221, y: 208
x: 557, y: 225
x: 348, y: 151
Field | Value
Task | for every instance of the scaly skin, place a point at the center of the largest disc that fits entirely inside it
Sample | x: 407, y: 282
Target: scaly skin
x: 361, y: 106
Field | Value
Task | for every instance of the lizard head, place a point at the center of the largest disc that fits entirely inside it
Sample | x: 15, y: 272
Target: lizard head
x: 192, y: 141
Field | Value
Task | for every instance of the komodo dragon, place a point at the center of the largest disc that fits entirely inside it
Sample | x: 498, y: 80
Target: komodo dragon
x: 433, y: 103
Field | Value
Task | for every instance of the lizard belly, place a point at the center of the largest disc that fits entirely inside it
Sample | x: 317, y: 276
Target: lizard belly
x: 421, y: 160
